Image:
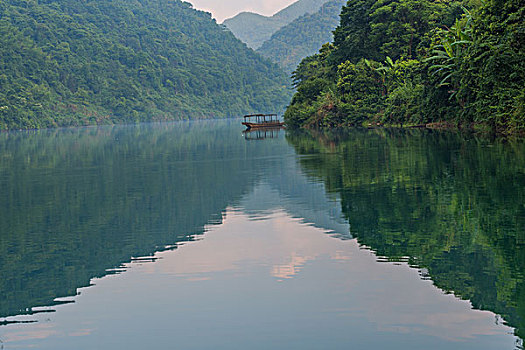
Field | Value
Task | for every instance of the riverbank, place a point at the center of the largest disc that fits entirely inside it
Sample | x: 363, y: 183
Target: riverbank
x: 461, y: 67
x: 480, y: 129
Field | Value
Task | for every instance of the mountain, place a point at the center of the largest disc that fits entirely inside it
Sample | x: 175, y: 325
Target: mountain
x: 302, y: 37
x: 255, y: 29
x: 75, y: 62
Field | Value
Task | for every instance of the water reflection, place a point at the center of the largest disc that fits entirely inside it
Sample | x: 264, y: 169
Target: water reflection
x: 253, y: 241
x: 78, y: 203
x: 262, y: 133
x: 450, y: 204
x: 218, y: 294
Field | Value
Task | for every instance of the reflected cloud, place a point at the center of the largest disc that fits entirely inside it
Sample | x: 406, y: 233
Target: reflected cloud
x: 81, y: 333
x: 452, y: 326
x: 242, y: 258
x: 40, y: 331
x: 223, y: 248
x: 289, y: 270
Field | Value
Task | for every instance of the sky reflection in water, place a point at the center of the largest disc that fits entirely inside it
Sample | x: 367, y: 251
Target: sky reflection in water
x: 277, y: 269
x: 273, y: 283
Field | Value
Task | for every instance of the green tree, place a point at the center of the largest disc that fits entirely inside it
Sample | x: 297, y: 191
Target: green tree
x: 126, y: 61
x: 454, y: 62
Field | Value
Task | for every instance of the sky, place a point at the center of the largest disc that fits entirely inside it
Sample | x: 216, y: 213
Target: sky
x: 222, y: 9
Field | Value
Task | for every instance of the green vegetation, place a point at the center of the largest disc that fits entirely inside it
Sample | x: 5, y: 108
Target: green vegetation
x: 73, y: 62
x: 78, y: 201
x: 400, y: 62
x: 255, y: 29
x: 451, y: 205
x: 302, y: 37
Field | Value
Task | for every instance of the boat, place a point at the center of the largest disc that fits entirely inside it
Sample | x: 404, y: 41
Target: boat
x: 254, y: 121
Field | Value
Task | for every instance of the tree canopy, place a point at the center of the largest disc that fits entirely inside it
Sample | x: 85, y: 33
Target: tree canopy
x: 417, y: 62
x: 72, y: 62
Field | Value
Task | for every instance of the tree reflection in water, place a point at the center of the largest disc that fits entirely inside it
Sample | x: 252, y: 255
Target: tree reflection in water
x: 450, y: 204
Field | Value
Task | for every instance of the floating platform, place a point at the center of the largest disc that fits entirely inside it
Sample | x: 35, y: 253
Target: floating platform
x: 255, y: 121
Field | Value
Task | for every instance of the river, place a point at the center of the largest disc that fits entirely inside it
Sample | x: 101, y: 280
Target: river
x: 193, y: 235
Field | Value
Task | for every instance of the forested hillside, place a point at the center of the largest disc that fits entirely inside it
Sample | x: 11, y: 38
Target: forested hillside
x: 255, y: 29
x: 417, y: 62
x: 74, y: 62
x: 302, y: 37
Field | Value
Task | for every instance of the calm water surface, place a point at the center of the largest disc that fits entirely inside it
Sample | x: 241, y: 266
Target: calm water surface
x: 195, y: 236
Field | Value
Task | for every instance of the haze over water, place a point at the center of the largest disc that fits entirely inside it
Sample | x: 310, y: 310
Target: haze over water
x: 192, y: 235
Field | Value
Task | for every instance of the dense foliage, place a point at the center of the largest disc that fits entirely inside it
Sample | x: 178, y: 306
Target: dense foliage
x: 417, y: 62
x: 91, y: 202
x: 448, y: 204
x: 254, y: 29
x: 303, y: 37
x: 71, y: 62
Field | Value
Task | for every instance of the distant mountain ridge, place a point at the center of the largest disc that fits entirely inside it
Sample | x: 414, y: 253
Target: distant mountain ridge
x: 303, y: 37
x: 255, y: 29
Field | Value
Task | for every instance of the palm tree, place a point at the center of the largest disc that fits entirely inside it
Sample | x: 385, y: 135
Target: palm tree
x: 450, y: 51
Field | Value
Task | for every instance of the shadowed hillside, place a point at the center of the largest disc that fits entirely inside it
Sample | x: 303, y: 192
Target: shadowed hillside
x: 302, y: 37
x: 254, y: 29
